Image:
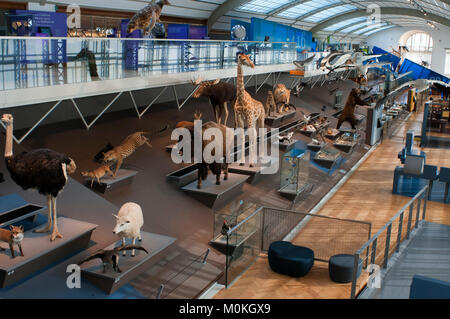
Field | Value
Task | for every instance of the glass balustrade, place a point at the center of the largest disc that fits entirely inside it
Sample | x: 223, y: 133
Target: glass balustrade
x: 28, y: 62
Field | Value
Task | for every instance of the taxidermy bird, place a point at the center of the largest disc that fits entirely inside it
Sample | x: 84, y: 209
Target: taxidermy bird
x: 301, y: 64
x: 111, y: 257
x: 41, y: 169
x: 225, y: 228
x: 287, y: 137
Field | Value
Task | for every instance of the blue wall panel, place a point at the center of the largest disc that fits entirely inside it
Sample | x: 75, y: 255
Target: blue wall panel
x: 246, y: 25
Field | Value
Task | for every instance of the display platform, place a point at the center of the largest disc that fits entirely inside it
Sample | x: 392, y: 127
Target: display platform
x: 327, y: 158
x: 184, y: 176
x: 334, y: 134
x: 108, y: 183
x: 347, y: 147
x: 308, y: 133
x: 286, y: 146
x: 292, y: 194
x: 275, y: 121
x: 316, y: 147
x: 40, y: 252
x: 14, y: 209
x: 131, y: 267
x: 213, y: 195
x: 255, y: 172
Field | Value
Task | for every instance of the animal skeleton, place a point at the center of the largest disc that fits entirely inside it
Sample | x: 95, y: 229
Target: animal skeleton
x: 301, y: 64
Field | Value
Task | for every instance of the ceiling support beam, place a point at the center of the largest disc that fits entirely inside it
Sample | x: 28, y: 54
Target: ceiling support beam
x: 384, y: 11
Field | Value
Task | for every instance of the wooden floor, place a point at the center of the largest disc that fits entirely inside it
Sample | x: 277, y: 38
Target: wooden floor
x: 366, y: 196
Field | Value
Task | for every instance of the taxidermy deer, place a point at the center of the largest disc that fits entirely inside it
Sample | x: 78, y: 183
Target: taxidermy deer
x: 146, y: 18
x: 186, y: 124
x: 12, y: 236
x: 219, y: 93
x: 97, y: 173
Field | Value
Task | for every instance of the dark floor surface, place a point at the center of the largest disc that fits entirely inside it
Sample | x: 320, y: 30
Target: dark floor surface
x: 167, y: 210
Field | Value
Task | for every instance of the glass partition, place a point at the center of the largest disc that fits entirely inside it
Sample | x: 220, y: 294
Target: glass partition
x: 37, y: 61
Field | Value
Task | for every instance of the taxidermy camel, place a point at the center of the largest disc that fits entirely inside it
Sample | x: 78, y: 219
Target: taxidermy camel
x: 219, y: 93
x: 41, y: 169
x: 247, y: 110
x: 146, y: 18
x: 111, y: 257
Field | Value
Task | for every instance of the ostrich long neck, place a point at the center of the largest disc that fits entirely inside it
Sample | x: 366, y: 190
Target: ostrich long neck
x: 9, y: 140
x: 240, y: 81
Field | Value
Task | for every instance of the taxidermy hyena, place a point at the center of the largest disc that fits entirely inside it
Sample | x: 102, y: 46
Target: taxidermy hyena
x: 146, y: 18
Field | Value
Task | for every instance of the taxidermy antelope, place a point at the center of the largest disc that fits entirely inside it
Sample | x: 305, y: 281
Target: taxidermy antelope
x: 219, y: 93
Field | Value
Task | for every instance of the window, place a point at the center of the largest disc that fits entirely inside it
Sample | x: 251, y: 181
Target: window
x: 262, y: 6
x: 447, y: 62
x: 420, y: 46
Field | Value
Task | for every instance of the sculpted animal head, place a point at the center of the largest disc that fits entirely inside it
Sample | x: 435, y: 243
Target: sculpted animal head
x: 71, y: 167
x: 109, y: 156
x: 203, y: 87
x: 7, y: 119
x: 16, y: 233
x: 122, y: 224
x: 245, y: 60
x: 132, y: 26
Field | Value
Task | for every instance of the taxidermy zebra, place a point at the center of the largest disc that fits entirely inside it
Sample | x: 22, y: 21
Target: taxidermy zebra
x: 111, y: 257
x: 146, y: 18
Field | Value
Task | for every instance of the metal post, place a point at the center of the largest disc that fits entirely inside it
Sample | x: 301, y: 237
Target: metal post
x: 159, y: 293
x: 206, y: 256
x: 408, y: 230
x: 374, y: 251
x: 104, y: 110
x: 425, y: 206
x: 386, y: 249
x: 154, y: 100
x: 418, y: 213
x: 134, y: 103
x: 399, y: 235
x: 80, y: 114
x: 354, y: 276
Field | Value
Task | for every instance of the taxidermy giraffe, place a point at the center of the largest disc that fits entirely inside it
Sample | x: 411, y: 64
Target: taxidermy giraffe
x: 246, y: 109
x: 146, y: 18
x: 219, y: 93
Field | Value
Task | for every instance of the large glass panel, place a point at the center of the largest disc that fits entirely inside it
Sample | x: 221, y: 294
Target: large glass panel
x: 325, y: 14
x: 342, y: 24
x: 262, y: 6
x: 37, y: 62
x: 306, y: 7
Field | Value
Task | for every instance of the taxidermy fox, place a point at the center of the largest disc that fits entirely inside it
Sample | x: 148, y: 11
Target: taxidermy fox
x: 98, y: 173
x: 12, y: 236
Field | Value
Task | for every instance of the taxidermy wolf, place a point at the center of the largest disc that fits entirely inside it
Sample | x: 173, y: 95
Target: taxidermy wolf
x: 146, y: 18
x: 111, y: 257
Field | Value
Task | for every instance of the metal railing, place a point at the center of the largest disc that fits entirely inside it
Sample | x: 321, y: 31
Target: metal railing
x: 326, y: 236
x: 39, y: 61
x: 386, y: 242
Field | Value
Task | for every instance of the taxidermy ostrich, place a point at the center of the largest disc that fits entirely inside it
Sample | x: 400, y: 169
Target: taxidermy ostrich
x: 41, y: 169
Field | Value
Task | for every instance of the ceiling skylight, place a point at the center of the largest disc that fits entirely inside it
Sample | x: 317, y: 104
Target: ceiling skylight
x: 328, y: 13
x: 306, y: 7
x: 345, y: 23
x: 370, y: 28
x: 354, y: 27
x: 376, y: 30
x: 262, y: 6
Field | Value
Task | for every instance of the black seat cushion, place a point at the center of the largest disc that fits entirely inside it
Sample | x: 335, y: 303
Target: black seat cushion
x: 340, y: 268
x: 288, y: 259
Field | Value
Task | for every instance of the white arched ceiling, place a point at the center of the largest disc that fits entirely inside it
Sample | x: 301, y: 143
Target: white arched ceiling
x: 322, y: 17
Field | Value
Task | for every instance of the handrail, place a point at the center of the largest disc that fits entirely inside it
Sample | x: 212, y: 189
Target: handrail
x: 135, y: 39
x: 390, y: 222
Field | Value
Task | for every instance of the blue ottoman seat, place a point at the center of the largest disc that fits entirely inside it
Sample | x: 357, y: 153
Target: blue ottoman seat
x: 340, y: 268
x: 288, y: 259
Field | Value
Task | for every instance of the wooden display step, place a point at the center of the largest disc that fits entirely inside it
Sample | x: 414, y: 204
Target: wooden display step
x: 131, y: 267
x: 108, y: 183
x: 40, y: 252
x: 14, y: 209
